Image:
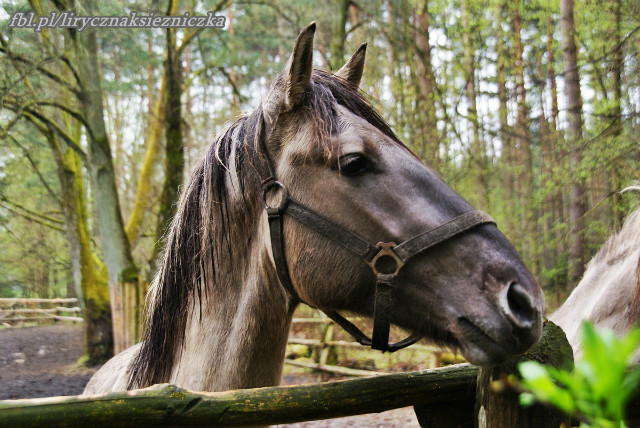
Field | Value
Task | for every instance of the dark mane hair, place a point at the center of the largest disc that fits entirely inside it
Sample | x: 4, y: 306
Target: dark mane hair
x: 204, y: 235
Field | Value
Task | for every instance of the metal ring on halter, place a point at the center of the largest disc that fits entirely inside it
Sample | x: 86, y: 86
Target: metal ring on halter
x: 283, y: 200
x: 386, y: 249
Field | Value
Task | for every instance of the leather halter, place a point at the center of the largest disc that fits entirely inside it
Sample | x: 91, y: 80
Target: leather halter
x: 371, y: 255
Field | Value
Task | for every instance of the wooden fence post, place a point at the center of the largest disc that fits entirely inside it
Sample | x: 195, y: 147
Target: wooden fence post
x: 328, y: 351
x: 501, y: 408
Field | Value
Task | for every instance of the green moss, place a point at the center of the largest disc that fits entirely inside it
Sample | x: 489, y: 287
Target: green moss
x: 129, y: 274
x: 553, y: 349
x: 83, y: 361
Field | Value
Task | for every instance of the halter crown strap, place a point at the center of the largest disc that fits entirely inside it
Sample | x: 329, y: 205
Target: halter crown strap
x: 385, y: 281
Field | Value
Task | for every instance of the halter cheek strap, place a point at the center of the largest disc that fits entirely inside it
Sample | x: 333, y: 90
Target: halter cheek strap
x: 372, y: 255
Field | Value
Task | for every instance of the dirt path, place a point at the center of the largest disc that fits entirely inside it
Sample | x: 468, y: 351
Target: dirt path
x: 41, y: 362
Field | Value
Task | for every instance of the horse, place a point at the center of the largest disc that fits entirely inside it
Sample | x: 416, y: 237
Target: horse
x: 283, y: 209
x: 608, y: 295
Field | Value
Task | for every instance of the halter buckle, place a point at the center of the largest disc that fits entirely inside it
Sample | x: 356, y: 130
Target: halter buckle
x: 386, y: 249
x: 268, y: 186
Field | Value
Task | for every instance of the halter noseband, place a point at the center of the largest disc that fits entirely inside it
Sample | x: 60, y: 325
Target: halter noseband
x: 371, y: 254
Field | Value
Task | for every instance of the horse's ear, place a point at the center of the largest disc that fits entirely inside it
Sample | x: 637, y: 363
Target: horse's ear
x: 293, y: 81
x: 297, y: 72
x: 352, y: 70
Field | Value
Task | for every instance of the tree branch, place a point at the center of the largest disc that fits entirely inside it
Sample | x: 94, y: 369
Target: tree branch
x: 192, y: 34
x: 4, y: 198
x: 77, y: 92
x: 35, y: 168
x: 33, y: 219
x: 32, y: 116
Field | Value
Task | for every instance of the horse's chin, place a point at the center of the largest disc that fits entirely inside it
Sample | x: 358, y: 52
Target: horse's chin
x: 477, y: 346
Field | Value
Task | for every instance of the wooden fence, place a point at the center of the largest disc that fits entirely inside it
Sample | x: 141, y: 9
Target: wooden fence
x: 20, y: 311
x: 324, y: 346
x: 460, y: 395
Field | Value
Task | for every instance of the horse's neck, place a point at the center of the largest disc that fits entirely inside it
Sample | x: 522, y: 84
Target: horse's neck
x: 240, y: 339
x: 604, y: 296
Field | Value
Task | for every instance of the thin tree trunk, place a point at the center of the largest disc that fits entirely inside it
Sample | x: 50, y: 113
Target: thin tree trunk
x: 338, y: 33
x: 577, y: 203
x: 617, y: 173
x: 188, y: 131
x: 174, y: 158
x: 399, y: 113
x: 235, y: 107
x: 523, y: 154
x: 505, y: 130
x: 558, y: 194
x: 153, y: 142
x: 478, y: 166
x: 426, y: 105
x: 547, y: 254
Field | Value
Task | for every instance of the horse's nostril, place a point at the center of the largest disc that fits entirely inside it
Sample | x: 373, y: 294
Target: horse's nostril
x: 519, y: 308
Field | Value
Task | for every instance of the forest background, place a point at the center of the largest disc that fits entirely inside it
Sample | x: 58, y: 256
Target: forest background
x: 529, y: 109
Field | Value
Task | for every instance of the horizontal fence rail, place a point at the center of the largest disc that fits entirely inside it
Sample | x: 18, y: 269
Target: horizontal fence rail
x: 325, y: 344
x: 167, y: 405
x: 23, y: 310
x: 460, y: 395
x: 20, y: 310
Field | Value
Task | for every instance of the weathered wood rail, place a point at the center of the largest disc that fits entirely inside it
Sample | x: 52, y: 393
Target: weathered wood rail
x: 460, y: 395
x: 20, y: 310
x: 324, y: 345
x: 167, y: 405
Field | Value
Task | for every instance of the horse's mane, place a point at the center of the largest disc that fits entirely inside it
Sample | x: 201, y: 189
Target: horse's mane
x: 619, y: 244
x: 617, y: 248
x: 216, y: 218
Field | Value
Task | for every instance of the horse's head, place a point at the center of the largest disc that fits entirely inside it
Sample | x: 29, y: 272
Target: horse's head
x: 337, y: 157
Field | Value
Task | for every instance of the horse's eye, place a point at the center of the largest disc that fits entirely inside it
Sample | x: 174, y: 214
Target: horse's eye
x: 353, y: 164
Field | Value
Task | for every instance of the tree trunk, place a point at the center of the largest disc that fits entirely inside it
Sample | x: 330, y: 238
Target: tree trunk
x: 338, y: 33
x: 556, y: 151
x: 98, y: 331
x: 91, y: 284
x: 505, y: 130
x: 174, y: 158
x: 235, y: 103
x: 123, y: 274
x: 428, y: 126
x: 399, y: 110
x: 478, y: 167
x: 577, y: 202
x: 546, y: 182
x: 189, y: 122
x: 89, y: 278
x: 524, y: 157
x: 153, y: 143
x: 617, y: 173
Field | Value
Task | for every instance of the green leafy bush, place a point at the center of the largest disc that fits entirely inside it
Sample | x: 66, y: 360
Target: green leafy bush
x: 598, y: 389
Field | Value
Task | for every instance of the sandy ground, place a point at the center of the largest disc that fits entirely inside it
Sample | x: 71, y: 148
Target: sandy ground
x: 41, y: 362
